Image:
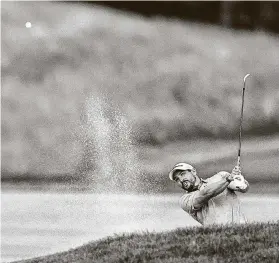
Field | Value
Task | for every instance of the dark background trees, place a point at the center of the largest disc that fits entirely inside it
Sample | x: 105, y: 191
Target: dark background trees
x: 249, y: 15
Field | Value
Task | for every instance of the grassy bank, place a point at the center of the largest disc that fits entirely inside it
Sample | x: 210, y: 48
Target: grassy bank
x: 66, y: 81
x: 251, y: 243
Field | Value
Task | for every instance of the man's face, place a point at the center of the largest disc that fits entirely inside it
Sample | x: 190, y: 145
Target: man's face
x: 186, y: 179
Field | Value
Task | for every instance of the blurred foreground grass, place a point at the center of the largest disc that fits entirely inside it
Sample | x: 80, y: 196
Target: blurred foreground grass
x: 169, y: 80
x: 248, y: 243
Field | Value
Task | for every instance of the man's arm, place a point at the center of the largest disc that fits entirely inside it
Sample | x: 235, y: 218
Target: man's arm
x: 211, y: 190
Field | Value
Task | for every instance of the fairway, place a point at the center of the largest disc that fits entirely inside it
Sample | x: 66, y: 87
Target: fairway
x: 35, y: 224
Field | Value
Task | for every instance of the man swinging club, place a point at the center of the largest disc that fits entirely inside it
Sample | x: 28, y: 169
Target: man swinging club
x: 212, y: 201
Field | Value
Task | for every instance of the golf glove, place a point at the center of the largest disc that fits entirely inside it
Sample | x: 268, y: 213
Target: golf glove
x: 238, y: 183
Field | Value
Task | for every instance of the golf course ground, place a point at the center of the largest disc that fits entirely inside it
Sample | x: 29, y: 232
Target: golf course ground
x: 242, y: 243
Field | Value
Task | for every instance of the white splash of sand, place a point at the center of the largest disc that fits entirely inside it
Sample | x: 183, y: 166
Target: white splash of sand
x: 115, y: 155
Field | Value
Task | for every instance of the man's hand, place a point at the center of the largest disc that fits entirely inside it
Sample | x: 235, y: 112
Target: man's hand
x: 238, y: 183
x: 230, y: 177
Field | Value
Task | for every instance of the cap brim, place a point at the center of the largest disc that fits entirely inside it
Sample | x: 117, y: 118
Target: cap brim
x: 171, y: 175
x: 172, y: 172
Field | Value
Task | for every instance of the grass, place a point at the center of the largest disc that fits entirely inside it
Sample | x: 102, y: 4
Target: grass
x: 250, y: 243
x: 170, y: 80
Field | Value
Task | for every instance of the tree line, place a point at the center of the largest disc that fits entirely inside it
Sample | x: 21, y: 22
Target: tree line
x: 247, y: 15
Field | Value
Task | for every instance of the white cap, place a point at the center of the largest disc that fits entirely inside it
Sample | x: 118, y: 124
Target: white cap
x: 180, y: 167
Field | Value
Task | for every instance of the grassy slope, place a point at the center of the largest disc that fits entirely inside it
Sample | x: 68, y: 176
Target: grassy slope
x: 251, y: 243
x: 171, y: 80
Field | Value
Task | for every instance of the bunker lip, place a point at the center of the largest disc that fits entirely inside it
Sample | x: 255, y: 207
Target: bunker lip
x: 166, y: 248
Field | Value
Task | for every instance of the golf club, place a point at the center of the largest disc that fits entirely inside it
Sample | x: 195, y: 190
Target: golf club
x: 237, y: 167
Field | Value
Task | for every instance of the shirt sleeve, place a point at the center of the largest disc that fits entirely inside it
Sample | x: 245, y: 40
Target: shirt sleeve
x: 186, y: 202
x: 219, y: 176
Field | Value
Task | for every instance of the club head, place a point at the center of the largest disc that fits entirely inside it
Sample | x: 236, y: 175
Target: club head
x: 246, y: 76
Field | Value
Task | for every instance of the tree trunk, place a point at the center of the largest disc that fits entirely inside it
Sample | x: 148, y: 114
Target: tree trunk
x: 226, y: 14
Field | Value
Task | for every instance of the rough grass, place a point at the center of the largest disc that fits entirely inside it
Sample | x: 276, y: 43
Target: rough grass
x: 170, y: 80
x: 250, y: 243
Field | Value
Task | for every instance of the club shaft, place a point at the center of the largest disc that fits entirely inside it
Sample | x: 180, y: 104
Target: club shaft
x: 240, y: 126
x: 241, y: 120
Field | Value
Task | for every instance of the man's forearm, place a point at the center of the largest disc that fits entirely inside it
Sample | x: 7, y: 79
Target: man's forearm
x: 211, y: 190
x: 215, y: 188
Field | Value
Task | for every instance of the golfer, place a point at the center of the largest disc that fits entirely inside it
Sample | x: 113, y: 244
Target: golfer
x: 213, y: 200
